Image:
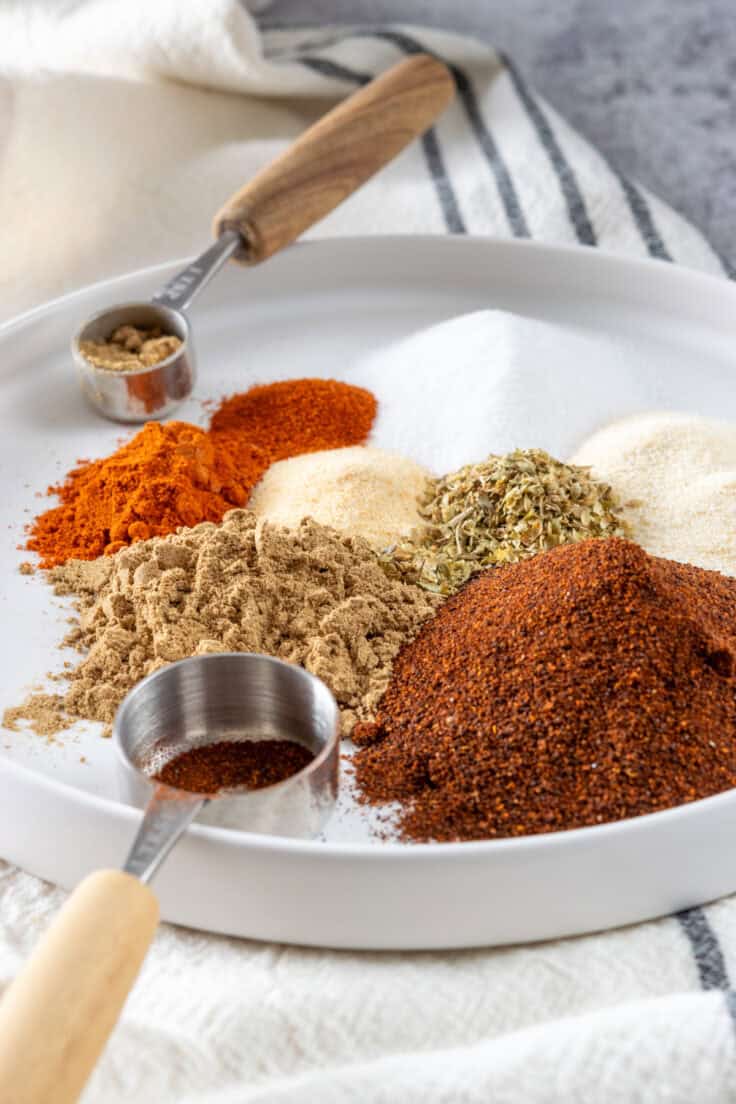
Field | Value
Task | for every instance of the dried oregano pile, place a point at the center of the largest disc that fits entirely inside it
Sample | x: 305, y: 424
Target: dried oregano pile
x: 500, y: 511
x: 309, y: 596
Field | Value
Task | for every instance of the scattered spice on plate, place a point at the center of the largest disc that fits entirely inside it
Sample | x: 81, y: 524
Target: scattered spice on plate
x: 301, y: 415
x: 234, y: 764
x: 590, y: 683
x: 43, y: 713
x: 362, y: 491
x: 308, y: 596
x: 502, y: 510
x: 130, y: 348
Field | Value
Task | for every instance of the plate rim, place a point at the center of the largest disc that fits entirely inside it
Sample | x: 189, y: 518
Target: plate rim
x: 375, y: 851
x: 372, y: 851
x: 592, y: 255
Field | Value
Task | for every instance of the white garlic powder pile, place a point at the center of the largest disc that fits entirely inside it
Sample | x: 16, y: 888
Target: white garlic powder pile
x: 676, y: 477
x: 365, y: 492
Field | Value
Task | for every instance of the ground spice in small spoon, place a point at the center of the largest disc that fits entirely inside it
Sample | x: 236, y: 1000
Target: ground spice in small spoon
x: 130, y: 348
x: 234, y: 764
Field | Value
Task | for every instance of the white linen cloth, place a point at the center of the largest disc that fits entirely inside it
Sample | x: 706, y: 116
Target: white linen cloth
x: 122, y: 129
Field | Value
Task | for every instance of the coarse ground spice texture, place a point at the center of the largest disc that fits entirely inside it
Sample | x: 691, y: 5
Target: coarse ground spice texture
x: 591, y: 683
x: 234, y: 764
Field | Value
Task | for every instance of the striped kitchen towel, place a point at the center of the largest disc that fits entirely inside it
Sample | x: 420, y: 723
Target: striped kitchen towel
x: 131, y: 122
x: 122, y: 128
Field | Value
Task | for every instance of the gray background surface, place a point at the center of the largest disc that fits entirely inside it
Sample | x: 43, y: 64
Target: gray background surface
x: 651, y: 82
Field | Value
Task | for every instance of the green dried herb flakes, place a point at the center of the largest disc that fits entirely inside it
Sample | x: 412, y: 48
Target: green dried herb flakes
x: 504, y: 509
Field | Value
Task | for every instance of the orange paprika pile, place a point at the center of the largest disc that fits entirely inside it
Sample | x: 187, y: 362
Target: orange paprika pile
x: 165, y: 477
x: 176, y: 474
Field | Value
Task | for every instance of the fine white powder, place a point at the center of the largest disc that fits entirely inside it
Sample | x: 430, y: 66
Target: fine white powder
x: 362, y: 491
x: 676, y: 475
x: 492, y: 381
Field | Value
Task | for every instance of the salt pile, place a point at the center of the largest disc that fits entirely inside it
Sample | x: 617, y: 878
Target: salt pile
x: 492, y: 381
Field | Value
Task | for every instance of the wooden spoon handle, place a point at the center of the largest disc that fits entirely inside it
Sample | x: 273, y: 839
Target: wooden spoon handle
x: 335, y: 156
x: 58, y: 1013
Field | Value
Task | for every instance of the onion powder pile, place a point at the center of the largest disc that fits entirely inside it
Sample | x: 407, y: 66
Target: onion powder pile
x: 365, y: 492
x: 676, y: 476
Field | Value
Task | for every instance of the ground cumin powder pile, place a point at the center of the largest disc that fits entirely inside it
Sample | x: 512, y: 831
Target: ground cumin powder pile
x: 308, y: 596
x: 590, y: 683
x: 42, y: 712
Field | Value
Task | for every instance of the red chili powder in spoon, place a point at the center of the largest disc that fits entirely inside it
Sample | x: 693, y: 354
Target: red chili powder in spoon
x: 234, y: 764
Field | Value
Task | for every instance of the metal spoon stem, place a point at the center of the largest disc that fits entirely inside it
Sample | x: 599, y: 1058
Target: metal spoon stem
x: 182, y: 288
x: 168, y: 814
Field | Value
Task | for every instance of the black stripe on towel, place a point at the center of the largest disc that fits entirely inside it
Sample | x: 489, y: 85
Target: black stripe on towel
x: 727, y: 266
x: 571, y: 193
x: 644, y: 220
x: 500, y: 171
x: 469, y: 100
x: 430, y: 145
x: 705, y: 947
x: 443, y: 186
x: 332, y: 69
x: 730, y: 999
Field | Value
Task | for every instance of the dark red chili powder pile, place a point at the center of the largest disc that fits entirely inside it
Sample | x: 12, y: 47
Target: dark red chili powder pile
x: 233, y: 764
x: 590, y: 683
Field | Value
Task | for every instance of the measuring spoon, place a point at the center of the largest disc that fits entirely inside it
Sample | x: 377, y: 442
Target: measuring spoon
x: 58, y: 1013
x: 323, y: 167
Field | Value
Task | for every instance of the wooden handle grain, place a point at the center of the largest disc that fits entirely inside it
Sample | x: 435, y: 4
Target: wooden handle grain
x: 335, y: 156
x: 58, y: 1013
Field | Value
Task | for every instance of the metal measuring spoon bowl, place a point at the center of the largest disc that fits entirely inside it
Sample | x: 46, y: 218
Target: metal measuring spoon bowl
x: 209, y: 699
x: 142, y: 394
x: 323, y: 167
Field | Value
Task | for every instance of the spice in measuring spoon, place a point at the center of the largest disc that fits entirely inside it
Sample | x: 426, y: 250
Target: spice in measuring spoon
x: 234, y: 765
x: 129, y: 348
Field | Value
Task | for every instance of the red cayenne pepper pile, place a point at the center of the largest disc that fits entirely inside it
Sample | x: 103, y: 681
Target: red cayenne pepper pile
x: 590, y: 683
x: 296, y: 416
x: 235, y: 764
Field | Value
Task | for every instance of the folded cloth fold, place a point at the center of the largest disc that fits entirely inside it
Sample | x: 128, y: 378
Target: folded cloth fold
x: 122, y: 129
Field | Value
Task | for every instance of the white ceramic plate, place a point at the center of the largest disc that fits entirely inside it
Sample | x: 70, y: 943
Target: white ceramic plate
x: 316, y: 310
